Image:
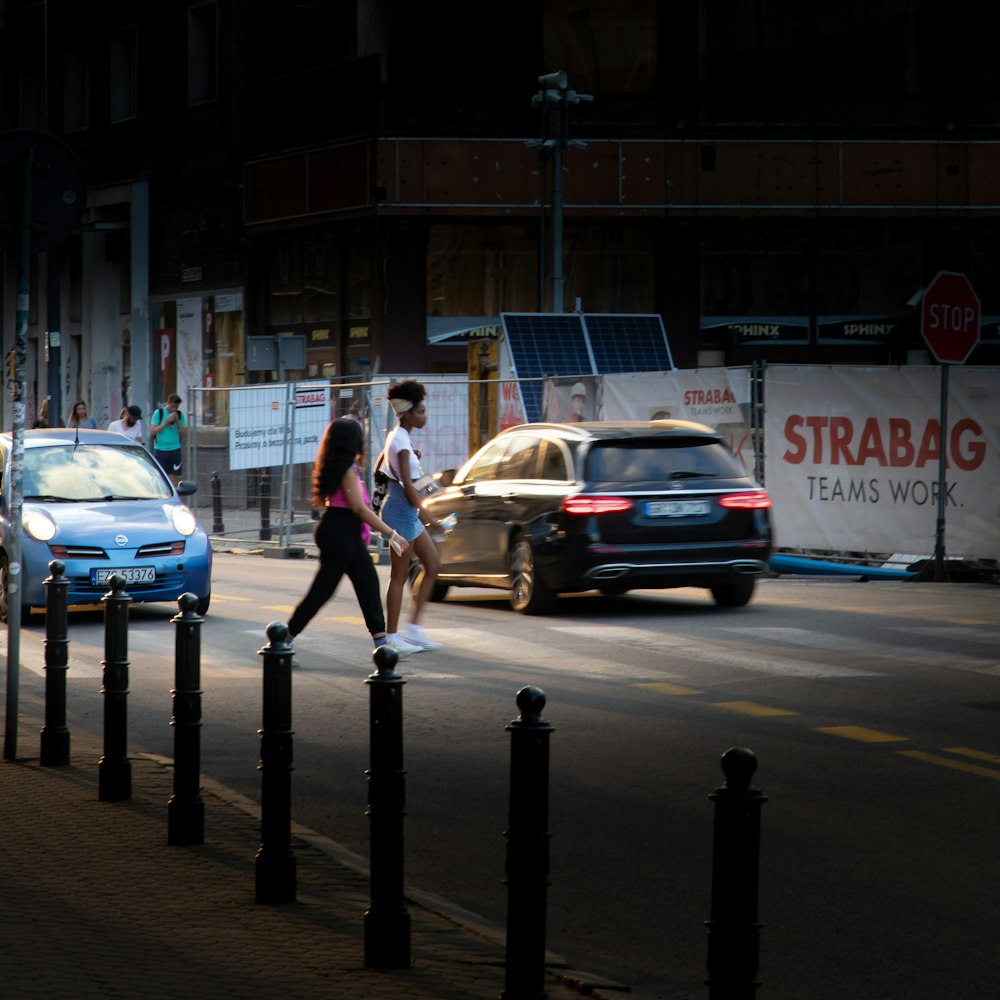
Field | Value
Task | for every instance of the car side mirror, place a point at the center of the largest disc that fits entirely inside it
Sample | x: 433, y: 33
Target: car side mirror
x: 186, y: 487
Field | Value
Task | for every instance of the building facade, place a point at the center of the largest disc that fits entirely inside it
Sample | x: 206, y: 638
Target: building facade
x: 340, y: 189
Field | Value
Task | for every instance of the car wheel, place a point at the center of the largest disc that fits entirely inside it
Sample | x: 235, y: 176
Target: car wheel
x: 528, y: 594
x: 734, y: 595
x: 203, y: 603
x: 4, y: 607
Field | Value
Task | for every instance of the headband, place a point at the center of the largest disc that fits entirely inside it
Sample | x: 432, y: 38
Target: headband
x: 400, y: 406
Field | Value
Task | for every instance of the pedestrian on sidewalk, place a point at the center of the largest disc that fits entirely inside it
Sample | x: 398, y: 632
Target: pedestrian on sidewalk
x: 403, y: 510
x: 344, y: 530
x: 129, y: 423
x: 167, y: 427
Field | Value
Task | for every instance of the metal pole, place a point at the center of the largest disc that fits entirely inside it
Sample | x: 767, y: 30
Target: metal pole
x: 54, y: 340
x: 265, y: 505
x: 13, y: 573
x: 527, y: 849
x: 114, y: 768
x: 55, y: 735
x: 940, y: 569
x: 218, y: 528
x: 387, y: 921
x: 733, y: 930
x: 558, y: 278
x: 275, y: 864
x: 185, y: 808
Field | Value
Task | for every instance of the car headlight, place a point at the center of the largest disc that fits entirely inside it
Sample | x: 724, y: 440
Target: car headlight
x: 39, y: 525
x: 184, y: 521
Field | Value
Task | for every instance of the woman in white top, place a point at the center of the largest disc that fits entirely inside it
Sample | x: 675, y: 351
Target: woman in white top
x: 402, y: 511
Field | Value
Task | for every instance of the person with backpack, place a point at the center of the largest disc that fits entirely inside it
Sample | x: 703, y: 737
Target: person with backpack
x: 168, y: 427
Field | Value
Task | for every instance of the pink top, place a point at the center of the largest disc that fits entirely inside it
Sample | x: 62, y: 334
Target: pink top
x: 339, y: 500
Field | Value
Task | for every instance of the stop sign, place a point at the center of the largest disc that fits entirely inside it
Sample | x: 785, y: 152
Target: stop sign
x: 949, y: 317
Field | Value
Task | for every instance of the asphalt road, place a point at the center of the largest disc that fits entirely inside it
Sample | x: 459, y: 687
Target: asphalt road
x: 871, y: 707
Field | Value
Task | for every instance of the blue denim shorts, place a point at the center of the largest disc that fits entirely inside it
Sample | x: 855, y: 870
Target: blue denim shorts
x: 400, y: 514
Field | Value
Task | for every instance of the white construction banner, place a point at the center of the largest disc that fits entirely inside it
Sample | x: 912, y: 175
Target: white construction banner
x: 718, y: 397
x: 278, y: 423
x: 852, y: 459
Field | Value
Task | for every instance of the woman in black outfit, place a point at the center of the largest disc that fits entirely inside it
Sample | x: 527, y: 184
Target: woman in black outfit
x: 343, y: 532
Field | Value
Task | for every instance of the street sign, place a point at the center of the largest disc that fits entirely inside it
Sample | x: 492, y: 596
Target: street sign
x: 949, y: 318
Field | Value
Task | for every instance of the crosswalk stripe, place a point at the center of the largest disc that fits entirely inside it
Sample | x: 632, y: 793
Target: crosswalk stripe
x: 707, y: 650
x: 956, y: 765
x: 992, y: 758
x: 862, y: 734
x: 752, y: 708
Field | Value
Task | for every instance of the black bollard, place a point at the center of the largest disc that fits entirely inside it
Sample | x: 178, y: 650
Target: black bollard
x: 217, y: 526
x: 55, y: 735
x: 114, y: 778
x: 265, y: 505
x: 733, y: 930
x: 275, y: 860
x: 185, y: 808
x: 528, y: 838
x: 387, y: 920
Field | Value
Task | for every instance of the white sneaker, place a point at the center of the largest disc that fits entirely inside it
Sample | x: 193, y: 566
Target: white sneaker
x: 402, y: 646
x: 416, y: 636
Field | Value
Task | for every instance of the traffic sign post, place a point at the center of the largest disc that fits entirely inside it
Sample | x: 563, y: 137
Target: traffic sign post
x: 949, y: 318
x: 949, y: 323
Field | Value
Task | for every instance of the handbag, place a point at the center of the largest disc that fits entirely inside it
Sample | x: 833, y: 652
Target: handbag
x: 380, y: 484
x: 426, y: 486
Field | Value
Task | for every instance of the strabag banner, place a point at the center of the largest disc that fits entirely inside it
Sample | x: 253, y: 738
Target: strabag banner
x: 718, y: 397
x: 277, y: 424
x: 852, y: 459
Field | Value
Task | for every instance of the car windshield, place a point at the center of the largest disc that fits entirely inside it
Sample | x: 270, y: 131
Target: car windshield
x: 659, y: 460
x: 67, y: 473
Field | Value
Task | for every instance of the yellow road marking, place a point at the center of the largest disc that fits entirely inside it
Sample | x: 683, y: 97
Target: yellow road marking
x: 957, y: 765
x: 278, y: 607
x: 348, y: 619
x: 751, y: 708
x: 862, y: 735
x: 228, y: 597
x: 668, y: 688
x: 974, y: 754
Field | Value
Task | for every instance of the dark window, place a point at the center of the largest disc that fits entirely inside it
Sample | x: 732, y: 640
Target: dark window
x: 203, y: 54
x: 553, y: 464
x: 659, y: 461
x: 76, y: 87
x: 123, y: 73
x: 521, y: 459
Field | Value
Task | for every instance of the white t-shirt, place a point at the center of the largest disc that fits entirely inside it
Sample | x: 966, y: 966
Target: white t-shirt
x: 134, y: 432
x: 397, y: 441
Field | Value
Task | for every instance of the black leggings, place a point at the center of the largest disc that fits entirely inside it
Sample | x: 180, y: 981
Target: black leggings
x: 341, y: 551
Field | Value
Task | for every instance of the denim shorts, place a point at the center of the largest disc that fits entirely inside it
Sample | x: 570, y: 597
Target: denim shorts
x: 400, y: 514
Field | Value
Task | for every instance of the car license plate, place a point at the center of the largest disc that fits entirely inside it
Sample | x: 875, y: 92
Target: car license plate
x: 677, y: 508
x: 132, y: 574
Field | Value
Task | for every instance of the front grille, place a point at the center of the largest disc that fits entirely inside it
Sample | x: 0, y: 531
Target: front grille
x: 160, y: 549
x: 80, y: 552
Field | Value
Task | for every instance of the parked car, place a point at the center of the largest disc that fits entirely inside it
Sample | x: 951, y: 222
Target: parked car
x: 544, y: 509
x: 100, y: 503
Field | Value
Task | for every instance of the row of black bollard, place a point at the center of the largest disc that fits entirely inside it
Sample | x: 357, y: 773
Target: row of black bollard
x: 733, y: 926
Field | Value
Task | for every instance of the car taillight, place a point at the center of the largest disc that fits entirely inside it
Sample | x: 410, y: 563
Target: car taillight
x: 596, y: 505
x: 756, y: 500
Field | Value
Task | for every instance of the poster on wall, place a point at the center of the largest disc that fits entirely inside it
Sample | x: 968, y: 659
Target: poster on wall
x: 853, y: 459
x: 274, y: 424
x: 717, y: 397
x: 512, y: 410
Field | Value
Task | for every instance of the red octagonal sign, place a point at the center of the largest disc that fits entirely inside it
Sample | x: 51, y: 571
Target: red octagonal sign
x: 949, y: 317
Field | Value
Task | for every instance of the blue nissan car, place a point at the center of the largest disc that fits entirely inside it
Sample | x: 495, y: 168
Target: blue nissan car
x: 100, y: 503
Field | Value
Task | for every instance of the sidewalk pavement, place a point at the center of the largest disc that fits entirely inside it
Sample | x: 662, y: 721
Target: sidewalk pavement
x: 95, y: 904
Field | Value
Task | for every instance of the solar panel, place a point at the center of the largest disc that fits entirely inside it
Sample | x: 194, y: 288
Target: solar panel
x: 542, y: 345
x: 559, y: 344
x: 636, y: 343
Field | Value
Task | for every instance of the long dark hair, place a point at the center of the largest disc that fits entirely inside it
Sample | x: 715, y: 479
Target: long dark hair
x: 342, y: 442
